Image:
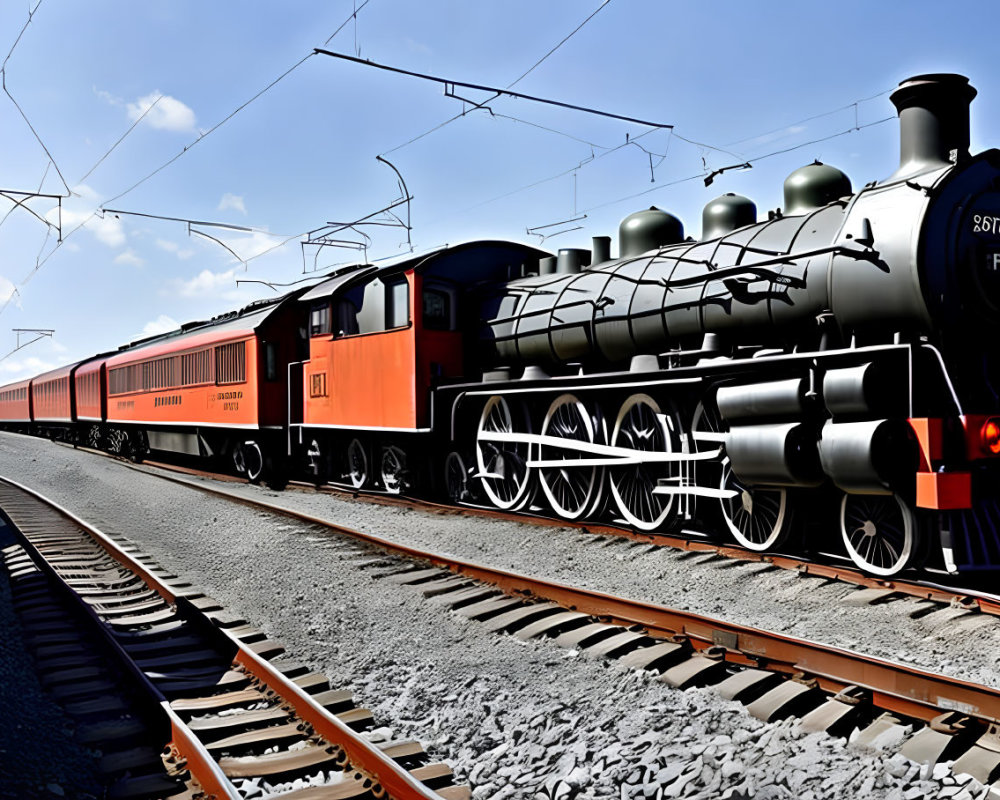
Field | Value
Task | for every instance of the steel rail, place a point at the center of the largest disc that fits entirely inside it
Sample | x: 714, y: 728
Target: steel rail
x: 924, y: 590
x: 394, y: 779
x: 895, y: 687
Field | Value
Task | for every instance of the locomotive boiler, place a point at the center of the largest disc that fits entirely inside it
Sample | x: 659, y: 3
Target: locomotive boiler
x: 832, y: 366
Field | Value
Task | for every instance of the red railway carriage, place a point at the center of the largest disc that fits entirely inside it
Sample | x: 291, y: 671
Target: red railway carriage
x: 52, y: 406
x: 380, y: 338
x: 215, y: 388
x: 15, y: 405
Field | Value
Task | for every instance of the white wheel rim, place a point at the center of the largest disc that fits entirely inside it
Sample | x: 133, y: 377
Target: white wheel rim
x: 255, y: 463
x: 570, y: 490
x: 357, y: 464
x: 632, y: 486
x: 755, y: 517
x: 877, y: 540
x: 501, y: 458
x: 392, y: 469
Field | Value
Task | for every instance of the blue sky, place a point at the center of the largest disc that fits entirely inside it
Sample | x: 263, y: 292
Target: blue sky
x: 744, y: 80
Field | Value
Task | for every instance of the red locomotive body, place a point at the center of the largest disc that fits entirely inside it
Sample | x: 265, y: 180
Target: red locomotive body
x: 380, y: 340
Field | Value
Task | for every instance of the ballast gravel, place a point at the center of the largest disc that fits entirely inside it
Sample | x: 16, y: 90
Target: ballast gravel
x: 38, y: 756
x: 520, y: 719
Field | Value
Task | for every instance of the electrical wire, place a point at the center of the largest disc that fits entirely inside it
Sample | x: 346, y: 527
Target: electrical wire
x: 565, y: 39
x: 121, y: 138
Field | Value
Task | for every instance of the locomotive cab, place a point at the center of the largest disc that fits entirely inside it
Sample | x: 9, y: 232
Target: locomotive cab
x: 381, y: 338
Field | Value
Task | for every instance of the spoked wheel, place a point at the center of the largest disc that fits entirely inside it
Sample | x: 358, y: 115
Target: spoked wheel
x: 641, y: 426
x: 756, y: 517
x: 571, y: 491
x: 503, y: 465
x: 253, y: 458
x: 393, y: 470
x: 456, y: 478
x: 357, y: 464
x: 879, y: 531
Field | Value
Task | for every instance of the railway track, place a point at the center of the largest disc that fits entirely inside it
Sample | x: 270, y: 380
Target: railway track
x: 192, y: 702
x: 776, y: 676
x: 878, y: 588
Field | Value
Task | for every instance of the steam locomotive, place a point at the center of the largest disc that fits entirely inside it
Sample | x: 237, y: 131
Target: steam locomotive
x: 825, y: 373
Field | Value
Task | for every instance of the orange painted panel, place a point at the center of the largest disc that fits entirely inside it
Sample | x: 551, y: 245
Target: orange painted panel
x: 439, y: 355
x: 365, y: 380
x: 944, y: 490
x: 233, y: 404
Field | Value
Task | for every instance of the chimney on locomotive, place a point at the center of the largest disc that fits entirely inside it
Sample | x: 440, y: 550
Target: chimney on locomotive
x: 933, y: 121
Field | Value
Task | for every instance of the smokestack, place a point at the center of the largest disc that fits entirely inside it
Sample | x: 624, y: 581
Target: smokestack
x: 933, y: 121
x: 601, y: 249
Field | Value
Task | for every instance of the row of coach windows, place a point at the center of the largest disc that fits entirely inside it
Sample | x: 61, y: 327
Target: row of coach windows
x: 371, y: 308
x: 14, y: 395
x: 225, y: 363
x: 89, y: 389
x: 51, y: 392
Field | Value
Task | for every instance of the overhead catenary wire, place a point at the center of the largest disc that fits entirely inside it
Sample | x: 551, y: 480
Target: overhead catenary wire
x: 448, y: 121
x: 447, y: 82
x: 40, y: 262
x: 121, y: 139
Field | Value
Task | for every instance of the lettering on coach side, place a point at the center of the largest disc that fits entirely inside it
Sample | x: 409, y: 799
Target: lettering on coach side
x: 169, y: 400
x: 126, y: 405
x: 230, y: 400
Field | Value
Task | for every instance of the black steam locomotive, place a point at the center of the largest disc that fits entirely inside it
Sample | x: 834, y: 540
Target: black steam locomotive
x: 829, y: 370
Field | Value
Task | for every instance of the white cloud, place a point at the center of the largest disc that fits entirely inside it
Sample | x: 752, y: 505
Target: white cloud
x: 79, y: 211
x: 165, y: 113
x: 129, y: 257
x: 7, y: 289
x: 206, y: 282
x: 162, y: 324
x: 184, y: 255
x: 234, y: 201
x: 247, y: 247
x: 28, y: 366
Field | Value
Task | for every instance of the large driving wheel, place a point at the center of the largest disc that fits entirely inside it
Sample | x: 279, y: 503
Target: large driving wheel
x: 503, y: 464
x: 253, y: 460
x: 879, y: 531
x: 641, y: 426
x: 756, y: 517
x: 572, y: 491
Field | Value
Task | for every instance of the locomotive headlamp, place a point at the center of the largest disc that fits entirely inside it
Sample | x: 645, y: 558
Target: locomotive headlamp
x: 990, y: 436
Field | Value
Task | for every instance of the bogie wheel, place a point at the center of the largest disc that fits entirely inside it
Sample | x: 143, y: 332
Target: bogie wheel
x: 393, y: 470
x: 456, y: 478
x: 503, y: 464
x: 641, y: 426
x: 757, y: 517
x: 253, y: 458
x: 239, y: 463
x: 879, y: 532
x: 357, y: 464
x: 572, y: 491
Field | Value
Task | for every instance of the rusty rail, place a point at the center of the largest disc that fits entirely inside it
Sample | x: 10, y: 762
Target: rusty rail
x: 363, y: 756
x: 895, y: 687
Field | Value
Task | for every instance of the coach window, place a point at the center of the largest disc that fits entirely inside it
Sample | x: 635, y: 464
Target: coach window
x: 270, y: 361
x: 319, y: 320
x: 437, y: 304
x: 397, y: 304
